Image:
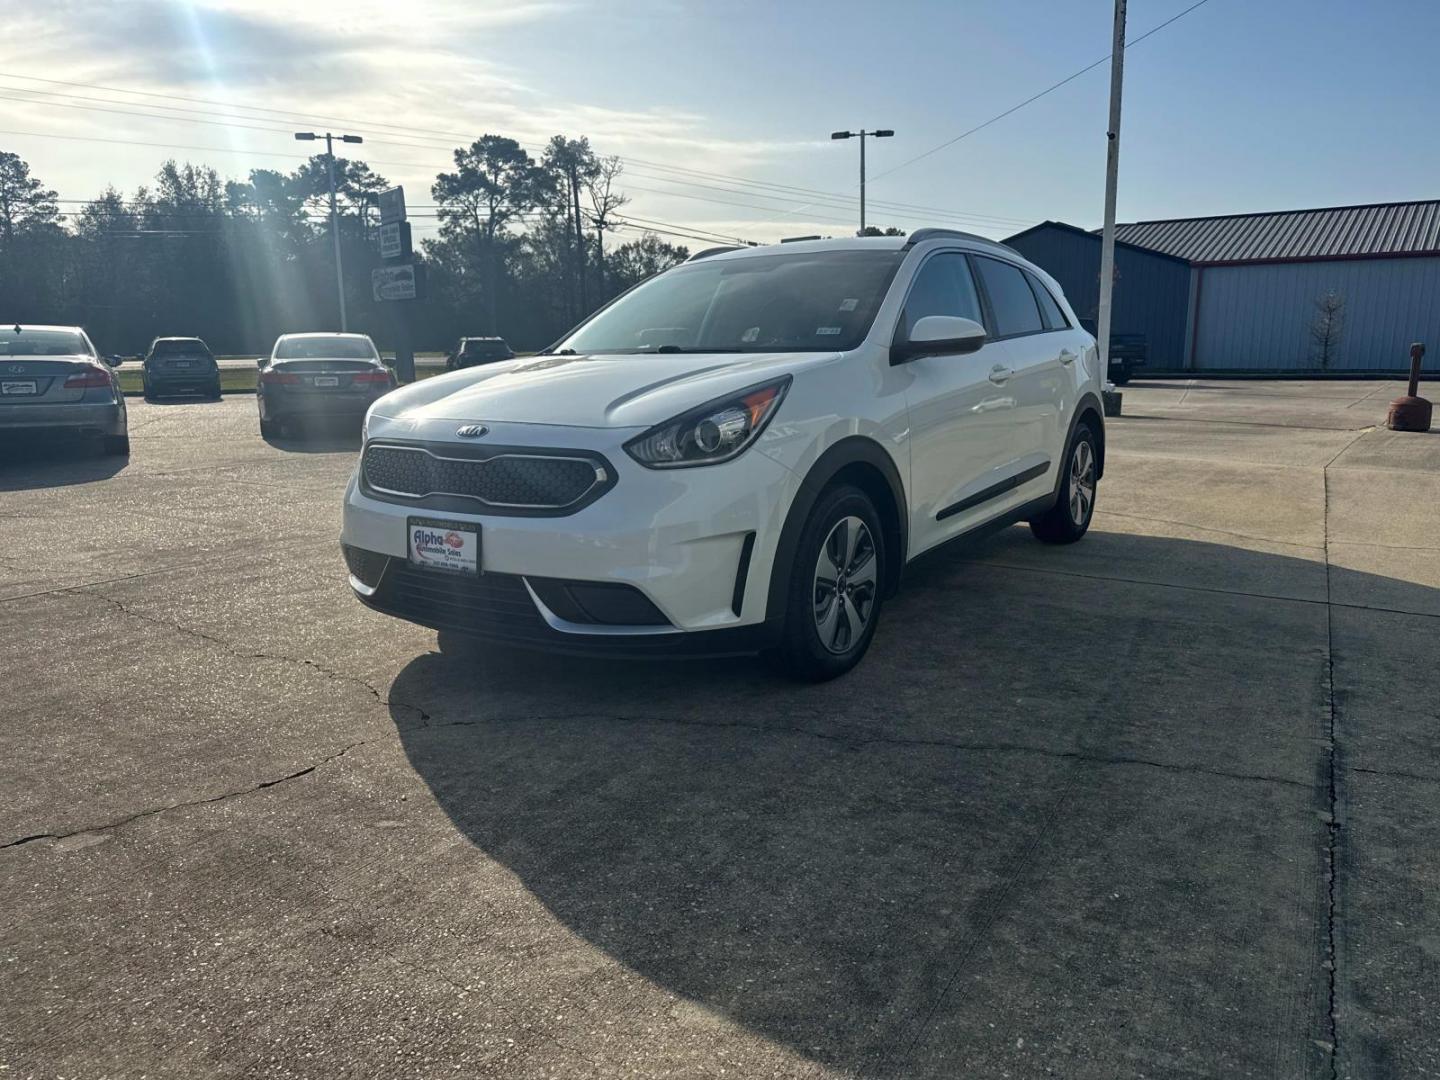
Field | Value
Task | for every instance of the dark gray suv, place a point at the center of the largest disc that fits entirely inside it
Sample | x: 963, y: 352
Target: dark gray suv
x: 175, y: 365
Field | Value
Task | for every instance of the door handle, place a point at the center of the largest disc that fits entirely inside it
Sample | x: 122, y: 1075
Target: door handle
x: 999, y: 373
x: 1068, y: 357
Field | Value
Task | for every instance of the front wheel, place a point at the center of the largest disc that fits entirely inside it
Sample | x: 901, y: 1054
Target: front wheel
x: 115, y: 445
x: 1068, y: 520
x: 837, y: 581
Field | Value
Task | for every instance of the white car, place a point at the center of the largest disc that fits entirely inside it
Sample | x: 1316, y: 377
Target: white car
x: 739, y: 455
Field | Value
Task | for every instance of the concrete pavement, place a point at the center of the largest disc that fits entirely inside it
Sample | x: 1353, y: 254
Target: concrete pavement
x: 1159, y: 804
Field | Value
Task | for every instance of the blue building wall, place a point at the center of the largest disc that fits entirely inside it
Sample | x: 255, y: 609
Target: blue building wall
x: 1259, y: 316
x: 1152, y: 292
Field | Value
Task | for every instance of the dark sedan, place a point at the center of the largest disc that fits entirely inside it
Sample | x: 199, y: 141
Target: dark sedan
x: 310, y: 377
x: 52, y: 380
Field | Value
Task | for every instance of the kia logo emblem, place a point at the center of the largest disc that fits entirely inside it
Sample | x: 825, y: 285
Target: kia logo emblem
x: 471, y: 431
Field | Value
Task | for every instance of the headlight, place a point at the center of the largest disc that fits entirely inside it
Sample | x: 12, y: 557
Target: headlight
x: 714, y: 432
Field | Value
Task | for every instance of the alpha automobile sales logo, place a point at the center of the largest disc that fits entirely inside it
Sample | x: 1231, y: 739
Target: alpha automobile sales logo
x: 434, y: 542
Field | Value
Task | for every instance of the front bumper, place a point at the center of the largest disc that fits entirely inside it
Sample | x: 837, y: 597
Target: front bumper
x: 83, y: 418
x: 698, y: 544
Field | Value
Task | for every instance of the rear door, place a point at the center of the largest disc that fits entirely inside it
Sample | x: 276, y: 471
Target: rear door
x: 1038, y: 356
x: 960, y: 416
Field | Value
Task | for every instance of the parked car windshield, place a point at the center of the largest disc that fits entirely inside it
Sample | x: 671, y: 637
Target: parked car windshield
x: 325, y: 348
x: 42, y: 343
x: 802, y: 302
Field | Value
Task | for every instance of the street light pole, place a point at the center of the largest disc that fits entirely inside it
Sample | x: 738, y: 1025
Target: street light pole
x: 1112, y: 171
x: 862, y: 135
x: 310, y: 136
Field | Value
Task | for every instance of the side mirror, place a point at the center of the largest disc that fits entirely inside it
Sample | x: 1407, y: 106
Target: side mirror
x: 939, y: 335
x: 114, y: 359
x: 260, y: 361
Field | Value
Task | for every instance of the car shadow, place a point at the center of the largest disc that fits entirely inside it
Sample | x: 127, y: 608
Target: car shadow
x: 318, y: 437
x: 45, y: 463
x: 822, y: 863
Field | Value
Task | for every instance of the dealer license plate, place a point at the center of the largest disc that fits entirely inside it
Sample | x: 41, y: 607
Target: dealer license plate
x: 448, y: 546
x: 17, y: 388
x: 327, y: 380
x: 182, y: 363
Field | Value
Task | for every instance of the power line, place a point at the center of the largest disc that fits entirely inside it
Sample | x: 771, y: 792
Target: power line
x: 1037, y: 97
x: 417, y: 134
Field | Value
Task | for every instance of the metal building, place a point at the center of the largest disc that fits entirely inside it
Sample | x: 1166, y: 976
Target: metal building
x: 1256, y: 283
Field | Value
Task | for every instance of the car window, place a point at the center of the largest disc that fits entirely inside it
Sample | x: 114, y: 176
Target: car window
x: 789, y: 302
x: 1010, y: 298
x: 326, y: 348
x: 942, y: 287
x: 181, y: 347
x: 1049, y: 309
x: 43, y: 343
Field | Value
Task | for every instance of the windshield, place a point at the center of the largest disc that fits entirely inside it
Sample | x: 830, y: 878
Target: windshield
x: 181, y: 347
x: 810, y: 302
x: 325, y: 348
x: 42, y: 343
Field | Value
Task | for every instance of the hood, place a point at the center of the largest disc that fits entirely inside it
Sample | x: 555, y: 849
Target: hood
x: 606, y: 390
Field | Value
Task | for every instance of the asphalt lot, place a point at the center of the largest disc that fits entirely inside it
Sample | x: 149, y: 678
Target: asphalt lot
x: 1076, y: 815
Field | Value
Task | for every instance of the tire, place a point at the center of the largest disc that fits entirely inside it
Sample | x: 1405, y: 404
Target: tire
x: 1069, y: 519
x: 821, y: 639
x: 216, y: 394
x: 270, y: 429
x: 115, y: 445
x: 1121, y: 376
x: 145, y: 391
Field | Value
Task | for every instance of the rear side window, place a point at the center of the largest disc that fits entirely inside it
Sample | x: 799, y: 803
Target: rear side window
x: 1049, y: 309
x: 1014, y: 304
x: 942, y: 287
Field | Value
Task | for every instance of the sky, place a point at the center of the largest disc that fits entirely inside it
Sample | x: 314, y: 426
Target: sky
x: 721, y: 109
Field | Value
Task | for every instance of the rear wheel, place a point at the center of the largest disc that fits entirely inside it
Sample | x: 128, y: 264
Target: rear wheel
x: 1120, y: 373
x: 215, y: 392
x: 270, y: 429
x: 1068, y: 520
x: 836, y: 585
x: 116, y: 445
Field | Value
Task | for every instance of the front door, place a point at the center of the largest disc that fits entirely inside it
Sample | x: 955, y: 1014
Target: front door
x: 962, y: 412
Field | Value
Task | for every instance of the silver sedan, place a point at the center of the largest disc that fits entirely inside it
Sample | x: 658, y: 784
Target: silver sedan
x: 53, y: 379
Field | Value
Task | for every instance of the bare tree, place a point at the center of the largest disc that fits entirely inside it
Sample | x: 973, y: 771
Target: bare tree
x: 604, y: 202
x: 1327, y: 328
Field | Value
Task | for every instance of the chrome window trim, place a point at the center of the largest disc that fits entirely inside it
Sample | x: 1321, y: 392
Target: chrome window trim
x: 601, y: 476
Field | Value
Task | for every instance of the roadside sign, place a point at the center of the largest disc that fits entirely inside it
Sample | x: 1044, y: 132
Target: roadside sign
x: 395, y: 240
x: 392, y: 205
x: 395, y: 282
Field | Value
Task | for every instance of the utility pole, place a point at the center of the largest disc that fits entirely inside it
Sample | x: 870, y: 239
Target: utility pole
x: 862, y: 135
x: 310, y: 136
x: 1112, y: 171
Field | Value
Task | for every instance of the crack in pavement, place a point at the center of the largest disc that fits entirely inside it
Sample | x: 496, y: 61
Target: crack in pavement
x: 221, y: 643
x: 152, y: 811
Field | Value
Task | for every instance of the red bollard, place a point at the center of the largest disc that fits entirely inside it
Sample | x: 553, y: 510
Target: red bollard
x: 1411, y: 412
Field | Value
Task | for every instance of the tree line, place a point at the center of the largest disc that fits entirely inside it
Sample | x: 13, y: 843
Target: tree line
x: 524, y: 249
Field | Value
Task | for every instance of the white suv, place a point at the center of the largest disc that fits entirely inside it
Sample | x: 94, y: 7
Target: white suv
x: 739, y: 455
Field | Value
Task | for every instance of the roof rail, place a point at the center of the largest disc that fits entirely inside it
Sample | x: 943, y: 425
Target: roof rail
x: 921, y: 235
x: 714, y: 251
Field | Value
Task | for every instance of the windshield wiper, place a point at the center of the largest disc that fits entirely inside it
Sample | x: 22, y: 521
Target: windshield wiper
x: 683, y: 349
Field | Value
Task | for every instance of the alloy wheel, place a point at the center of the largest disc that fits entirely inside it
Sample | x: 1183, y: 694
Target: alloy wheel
x: 845, y: 585
x: 1082, y: 482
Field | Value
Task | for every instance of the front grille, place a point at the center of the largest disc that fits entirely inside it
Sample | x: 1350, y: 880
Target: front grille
x: 489, y: 605
x: 502, y: 478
